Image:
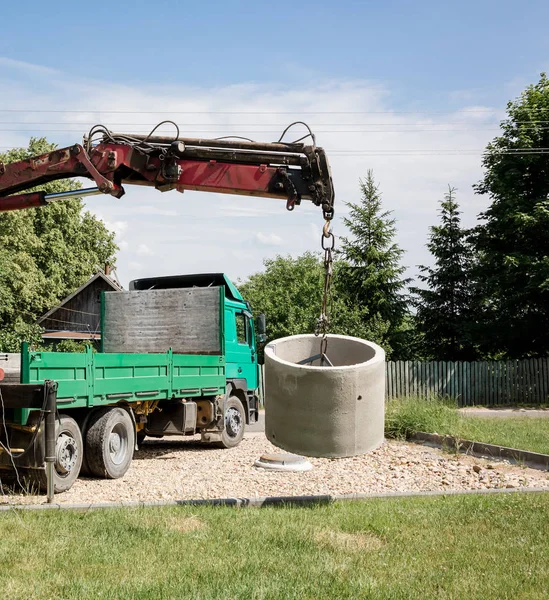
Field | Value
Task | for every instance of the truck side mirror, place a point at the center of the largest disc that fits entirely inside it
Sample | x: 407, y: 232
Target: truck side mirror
x: 261, y: 328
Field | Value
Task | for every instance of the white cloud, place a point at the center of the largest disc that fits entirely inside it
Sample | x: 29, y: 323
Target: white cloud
x: 149, y: 209
x: 269, y: 239
x: 244, y: 209
x: 118, y: 227
x: 20, y: 65
x: 144, y: 250
x: 314, y: 232
x: 209, y: 232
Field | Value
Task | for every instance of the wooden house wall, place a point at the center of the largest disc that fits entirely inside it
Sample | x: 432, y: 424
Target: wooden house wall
x: 82, y: 313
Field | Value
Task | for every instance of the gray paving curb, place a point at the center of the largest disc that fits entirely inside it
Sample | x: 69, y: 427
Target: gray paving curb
x: 533, y: 460
x: 270, y: 500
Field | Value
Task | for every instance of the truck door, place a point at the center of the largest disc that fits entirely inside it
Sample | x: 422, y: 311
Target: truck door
x: 241, y: 352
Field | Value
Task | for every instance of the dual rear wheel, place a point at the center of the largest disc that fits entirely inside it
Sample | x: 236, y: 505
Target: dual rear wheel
x: 69, y: 452
x: 105, y: 451
x: 109, y: 441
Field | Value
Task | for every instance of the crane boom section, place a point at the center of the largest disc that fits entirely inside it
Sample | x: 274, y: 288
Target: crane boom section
x: 292, y: 172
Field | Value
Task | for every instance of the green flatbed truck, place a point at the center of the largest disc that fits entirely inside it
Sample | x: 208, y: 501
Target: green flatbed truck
x: 153, y: 376
x: 178, y: 357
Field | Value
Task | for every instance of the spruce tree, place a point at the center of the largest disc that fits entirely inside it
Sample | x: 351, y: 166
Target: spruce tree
x: 371, y: 277
x: 444, y: 306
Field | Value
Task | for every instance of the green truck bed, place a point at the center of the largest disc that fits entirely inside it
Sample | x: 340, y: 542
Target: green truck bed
x: 93, y: 379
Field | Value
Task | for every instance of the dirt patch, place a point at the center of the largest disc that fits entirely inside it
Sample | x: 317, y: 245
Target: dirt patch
x: 363, y: 541
x: 185, y: 524
x: 173, y: 522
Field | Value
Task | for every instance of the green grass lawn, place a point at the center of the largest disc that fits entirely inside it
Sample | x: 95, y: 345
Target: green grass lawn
x: 436, y: 547
x: 408, y: 415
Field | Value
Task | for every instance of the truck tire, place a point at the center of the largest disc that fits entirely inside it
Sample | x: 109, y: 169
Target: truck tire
x: 69, y: 451
x: 235, y: 424
x: 110, y: 443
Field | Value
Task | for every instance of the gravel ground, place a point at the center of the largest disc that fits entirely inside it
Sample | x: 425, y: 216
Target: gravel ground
x: 183, y: 469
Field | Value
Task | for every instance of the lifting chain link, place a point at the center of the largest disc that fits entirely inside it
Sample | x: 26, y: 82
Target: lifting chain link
x: 327, y: 242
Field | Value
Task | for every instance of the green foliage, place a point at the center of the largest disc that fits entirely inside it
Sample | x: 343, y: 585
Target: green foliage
x: 45, y: 254
x: 73, y: 346
x: 372, y: 274
x: 367, y: 291
x: 12, y: 337
x: 444, y: 308
x: 289, y: 292
x: 408, y: 415
x: 513, y: 242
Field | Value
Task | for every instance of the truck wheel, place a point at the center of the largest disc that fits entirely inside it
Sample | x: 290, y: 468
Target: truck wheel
x: 235, y: 423
x: 110, y: 443
x: 69, y: 450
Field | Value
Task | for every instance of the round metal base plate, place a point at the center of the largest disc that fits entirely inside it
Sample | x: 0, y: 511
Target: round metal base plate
x: 283, y: 462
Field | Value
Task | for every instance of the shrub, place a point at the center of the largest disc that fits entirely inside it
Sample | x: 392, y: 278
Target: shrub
x: 407, y: 415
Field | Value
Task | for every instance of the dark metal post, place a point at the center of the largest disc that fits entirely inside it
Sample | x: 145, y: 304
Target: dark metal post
x: 51, y: 405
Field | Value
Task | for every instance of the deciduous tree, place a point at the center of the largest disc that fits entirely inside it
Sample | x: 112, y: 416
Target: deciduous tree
x: 513, y: 242
x: 289, y: 292
x: 45, y: 253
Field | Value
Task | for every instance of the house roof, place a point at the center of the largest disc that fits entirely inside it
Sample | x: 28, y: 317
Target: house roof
x: 70, y: 335
x: 99, y: 275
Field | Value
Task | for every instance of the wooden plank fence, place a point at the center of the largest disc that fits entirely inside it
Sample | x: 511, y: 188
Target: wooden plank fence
x: 490, y: 383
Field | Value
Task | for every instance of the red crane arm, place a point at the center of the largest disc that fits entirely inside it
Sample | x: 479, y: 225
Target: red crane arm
x: 277, y: 170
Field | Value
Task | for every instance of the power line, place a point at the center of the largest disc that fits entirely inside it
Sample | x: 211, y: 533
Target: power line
x: 283, y: 124
x: 267, y: 132
x: 225, y: 124
x: 350, y: 153
x: 465, y: 152
x: 249, y: 112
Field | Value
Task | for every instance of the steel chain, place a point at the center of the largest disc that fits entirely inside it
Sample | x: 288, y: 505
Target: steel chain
x: 327, y: 242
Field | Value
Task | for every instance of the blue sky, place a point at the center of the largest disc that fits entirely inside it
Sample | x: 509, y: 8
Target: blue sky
x: 413, y: 90
x: 422, y: 49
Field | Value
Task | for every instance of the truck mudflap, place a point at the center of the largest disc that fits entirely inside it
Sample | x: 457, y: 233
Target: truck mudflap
x: 24, y: 447
x: 249, y: 398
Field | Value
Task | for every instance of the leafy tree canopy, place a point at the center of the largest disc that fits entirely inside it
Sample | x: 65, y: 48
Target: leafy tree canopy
x: 513, y: 242
x: 289, y: 292
x: 45, y: 254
